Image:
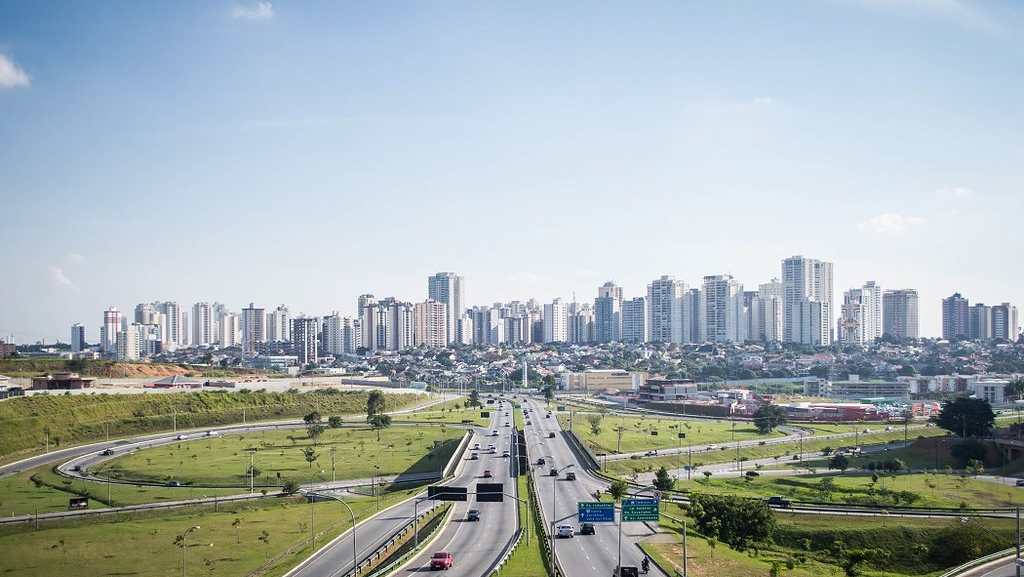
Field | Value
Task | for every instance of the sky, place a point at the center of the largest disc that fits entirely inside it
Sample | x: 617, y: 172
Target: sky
x: 309, y: 152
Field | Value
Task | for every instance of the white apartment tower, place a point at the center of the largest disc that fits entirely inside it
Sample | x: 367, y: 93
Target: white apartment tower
x: 279, y: 324
x: 634, y: 320
x: 556, y: 322
x: 127, y: 343
x: 807, y: 301
x: 723, y: 316
x: 203, y: 331
x: 174, y: 333
x: 448, y: 288
x: 664, y: 310
x: 430, y: 324
x: 77, y: 338
x: 900, y: 313
x: 766, y: 313
x: 334, y: 334
x: 108, y: 331
x: 254, y: 329
x: 229, y: 330
x: 304, y: 333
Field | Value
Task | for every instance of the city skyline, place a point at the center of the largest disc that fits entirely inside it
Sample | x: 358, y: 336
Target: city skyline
x: 306, y: 154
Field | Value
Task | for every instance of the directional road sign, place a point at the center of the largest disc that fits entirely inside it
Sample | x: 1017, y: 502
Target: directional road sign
x: 593, y: 512
x: 640, y: 510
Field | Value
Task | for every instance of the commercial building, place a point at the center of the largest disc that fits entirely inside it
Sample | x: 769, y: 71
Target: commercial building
x: 603, y: 379
x: 61, y: 381
x: 662, y: 390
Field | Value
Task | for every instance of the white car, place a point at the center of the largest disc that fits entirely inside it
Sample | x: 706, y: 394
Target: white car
x: 566, y: 531
x: 182, y: 437
x: 712, y: 447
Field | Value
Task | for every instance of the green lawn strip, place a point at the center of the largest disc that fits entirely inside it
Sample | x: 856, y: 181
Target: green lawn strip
x: 98, y: 546
x: 79, y: 419
x: 526, y: 560
x: 906, y: 490
x: 280, y: 455
x: 780, y: 452
x: 637, y: 434
x: 451, y: 411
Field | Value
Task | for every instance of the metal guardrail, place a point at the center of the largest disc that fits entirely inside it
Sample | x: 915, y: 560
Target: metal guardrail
x: 381, y: 571
x: 1012, y: 551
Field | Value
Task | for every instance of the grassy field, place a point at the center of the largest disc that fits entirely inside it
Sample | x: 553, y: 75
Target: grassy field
x: 451, y: 411
x: 228, y: 542
x: 782, y: 453
x: 637, y: 433
x: 527, y: 560
x: 810, y: 543
x: 77, y: 419
x: 918, y: 490
x: 280, y: 456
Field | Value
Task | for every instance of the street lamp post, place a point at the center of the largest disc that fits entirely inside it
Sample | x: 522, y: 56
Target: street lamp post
x: 618, y: 564
x: 312, y: 500
x: 355, y: 565
x: 183, y: 546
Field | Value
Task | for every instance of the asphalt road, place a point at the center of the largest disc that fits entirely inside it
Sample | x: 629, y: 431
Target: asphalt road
x: 582, y: 555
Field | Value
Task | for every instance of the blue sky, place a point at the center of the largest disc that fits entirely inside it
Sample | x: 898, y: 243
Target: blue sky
x: 306, y: 153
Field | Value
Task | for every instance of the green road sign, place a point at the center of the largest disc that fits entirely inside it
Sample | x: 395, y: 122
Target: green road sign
x: 640, y: 510
x: 595, y: 512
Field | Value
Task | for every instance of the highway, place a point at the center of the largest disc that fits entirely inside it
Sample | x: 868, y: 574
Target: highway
x: 582, y: 555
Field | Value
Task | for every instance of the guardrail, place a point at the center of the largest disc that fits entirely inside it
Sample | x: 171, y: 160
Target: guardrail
x: 514, y: 543
x: 456, y: 457
x: 1012, y: 551
x: 588, y: 460
x: 381, y: 571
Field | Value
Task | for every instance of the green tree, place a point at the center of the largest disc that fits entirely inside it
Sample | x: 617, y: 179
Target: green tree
x: 825, y: 486
x: 968, y: 450
x: 474, y: 399
x: 854, y: 559
x: 549, y: 392
x: 595, y: 424
x: 310, y: 454
x: 738, y: 522
x: 839, y: 461
x: 767, y: 417
x: 975, y: 467
x: 314, y: 430
x: 237, y: 524
x: 265, y: 538
x: 375, y: 405
x: 335, y: 422
x: 663, y: 481
x: 966, y: 417
x: 618, y: 489
x: 290, y: 487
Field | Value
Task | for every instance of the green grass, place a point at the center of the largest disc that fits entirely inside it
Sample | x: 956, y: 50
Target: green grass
x: 527, y: 560
x: 78, y: 419
x: 637, y: 435
x: 857, y: 488
x: 279, y: 456
x: 144, y: 545
x: 451, y: 411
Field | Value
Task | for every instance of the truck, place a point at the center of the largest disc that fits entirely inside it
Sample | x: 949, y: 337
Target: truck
x: 777, y: 501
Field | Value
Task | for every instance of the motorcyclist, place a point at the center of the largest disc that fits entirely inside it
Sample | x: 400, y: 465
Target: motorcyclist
x: 645, y: 565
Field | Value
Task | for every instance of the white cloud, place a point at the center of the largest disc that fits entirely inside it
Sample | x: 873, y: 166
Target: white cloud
x: 75, y: 257
x: 262, y: 11
x: 57, y: 275
x: 762, y: 101
x: 891, y: 223
x: 11, y: 75
x: 958, y: 192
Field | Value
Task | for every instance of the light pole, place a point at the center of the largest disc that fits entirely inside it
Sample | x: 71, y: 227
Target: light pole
x: 184, y: 545
x: 355, y: 565
x: 312, y: 500
x: 376, y: 474
x: 554, y: 514
x: 618, y: 564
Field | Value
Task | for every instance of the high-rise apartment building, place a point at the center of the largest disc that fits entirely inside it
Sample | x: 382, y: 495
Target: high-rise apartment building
x: 127, y: 343
x: 108, y: 331
x: 279, y: 324
x: 955, y: 319
x: 860, y: 315
x: 664, y: 313
x: 608, y: 313
x: 807, y: 301
x: 979, y: 322
x: 448, y: 288
x: 689, y: 325
x: 556, y: 322
x: 254, y: 328
x: 430, y: 324
x: 900, y: 313
x: 722, y: 314
x: 634, y: 320
x: 766, y: 313
x: 77, y: 338
x: 304, y: 339
x: 204, y: 331
x: 1004, y: 322
x: 175, y: 335
x: 581, y: 323
x: 229, y: 330
x: 334, y: 334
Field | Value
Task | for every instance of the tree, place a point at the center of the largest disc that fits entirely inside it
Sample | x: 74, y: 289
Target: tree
x: 310, y: 455
x: 595, y: 424
x: 663, y: 481
x: 966, y: 417
x: 237, y: 524
x: 265, y: 538
x: 314, y: 430
x: 474, y: 399
x: 549, y: 392
x: 968, y: 450
x: 825, y: 486
x: 618, y: 489
x: 335, y: 422
x: 738, y: 522
x: 975, y: 467
x: 854, y: 559
x: 375, y: 405
x: 290, y: 487
x: 768, y: 417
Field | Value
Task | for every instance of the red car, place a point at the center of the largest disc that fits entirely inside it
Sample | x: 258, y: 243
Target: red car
x: 441, y: 560
x: 487, y: 474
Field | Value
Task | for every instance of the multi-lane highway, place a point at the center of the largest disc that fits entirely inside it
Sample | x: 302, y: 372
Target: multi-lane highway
x: 581, y: 555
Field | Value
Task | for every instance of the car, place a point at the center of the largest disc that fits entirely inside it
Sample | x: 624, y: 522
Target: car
x: 107, y: 452
x: 488, y: 474
x: 541, y: 461
x: 547, y: 416
x: 651, y: 454
x: 441, y: 560
x: 551, y: 435
x: 182, y: 437
x: 566, y: 531
x: 474, y: 456
x: 777, y: 500
x: 528, y: 423
x: 212, y: 434
x: 553, y: 472
x: 476, y: 446
x: 570, y: 476
x: 506, y: 414
x: 712, y: 447
x: 473, y: 515
x: 504, y: 453
x: 494, y: 433
x: 172, y: 484
x: 1020, y: 482
x: 76, y: 468
x: 587, y: 529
